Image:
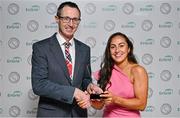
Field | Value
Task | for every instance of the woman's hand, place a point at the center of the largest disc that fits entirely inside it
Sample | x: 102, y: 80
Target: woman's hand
x: 108, y: 97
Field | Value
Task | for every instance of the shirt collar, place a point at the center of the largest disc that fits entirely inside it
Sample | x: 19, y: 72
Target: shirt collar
x: 61, y: 40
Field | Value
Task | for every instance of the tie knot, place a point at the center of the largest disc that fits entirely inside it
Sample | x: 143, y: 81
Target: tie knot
x: 67, y: 44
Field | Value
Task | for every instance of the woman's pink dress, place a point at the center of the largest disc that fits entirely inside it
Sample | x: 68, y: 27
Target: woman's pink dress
x: 121, y: 86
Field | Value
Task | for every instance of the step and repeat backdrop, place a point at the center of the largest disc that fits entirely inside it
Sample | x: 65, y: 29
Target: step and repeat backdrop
x: 152, y: 25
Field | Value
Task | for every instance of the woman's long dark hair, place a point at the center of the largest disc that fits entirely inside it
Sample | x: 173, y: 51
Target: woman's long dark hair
x: 108, y: 63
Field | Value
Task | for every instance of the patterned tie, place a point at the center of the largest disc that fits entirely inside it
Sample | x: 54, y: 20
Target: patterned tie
x: 68, y: 58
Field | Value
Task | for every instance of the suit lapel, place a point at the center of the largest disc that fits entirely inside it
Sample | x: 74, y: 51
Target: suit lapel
x: 78, y: 55
x: 57, y: 51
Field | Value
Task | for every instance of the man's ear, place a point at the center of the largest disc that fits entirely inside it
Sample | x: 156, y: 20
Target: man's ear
x: 57, y: 19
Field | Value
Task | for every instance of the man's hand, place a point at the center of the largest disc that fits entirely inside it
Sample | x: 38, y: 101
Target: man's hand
x: 82, y: 98
x: 92, y: 88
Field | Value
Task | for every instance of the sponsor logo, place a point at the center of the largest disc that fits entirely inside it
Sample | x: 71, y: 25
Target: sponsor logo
x: 14, y: 77
x: 165, y: 75
x: 147, y: 59
x: 14, y: 60
x: 32, y: 26
x: 109, y: 25
x: 53, y: 25
x: 32, y: 111
x: 90, y: 8
x: 165, y: 8
x: 147, y: 42
x: 31, y: 42
x: 31, y: 95
x: 15, y: 25
x: 51, y: 8
x: 110, y: 8
x: 128, y: 8
x: 151, y: 75
x: 149, y: 109
x: 147, y: 8
x: 15, y: 94
x: 90, y: 25
x: 166, y: 92
x: 166, y: 109
x: 13, y: 8
x: 91, y: 41
x: 130, y: 24
x: 33, y: 8
x: 167, y: 58
x: 166, y: 24
x: 14, y: 111
x: 147, y: 25
x: 165, y: 42
x: 13, y: 43
x: 150, y: 92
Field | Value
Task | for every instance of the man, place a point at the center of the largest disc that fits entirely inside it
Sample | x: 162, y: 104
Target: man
x: 61, y: 68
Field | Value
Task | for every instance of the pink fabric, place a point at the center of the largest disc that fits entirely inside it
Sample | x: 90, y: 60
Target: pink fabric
x: 120, y: 86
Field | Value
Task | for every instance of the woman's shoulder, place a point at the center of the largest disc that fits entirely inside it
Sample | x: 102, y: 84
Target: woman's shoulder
x: 136, y: 68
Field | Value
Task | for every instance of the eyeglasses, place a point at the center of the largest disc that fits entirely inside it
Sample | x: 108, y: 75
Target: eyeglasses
x: 67, y: 19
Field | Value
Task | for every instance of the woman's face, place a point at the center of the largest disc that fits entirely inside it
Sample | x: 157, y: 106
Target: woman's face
x: 119, y: 49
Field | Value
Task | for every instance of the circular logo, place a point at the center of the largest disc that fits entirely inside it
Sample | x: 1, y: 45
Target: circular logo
x: 165, y: 42
x: 91, y: 41
x: 165, y: 8
x: 14, y: 111
x: 13, y: 43
x: 166, y: 109
x: 14, y: 77
x: 146, y: 25
x: 13, y: 8
x: 32, y: 26
x: 51, y: 8
x: 29, y: 59
x: 150, y: 92
x: 92, y: 111
x: 147, y: 59
x: 94, y: 59
x: 90, y: 8
x: 165, y: 75
x: 109, y: 25
x: 31, y: 95
x: 128, y: 8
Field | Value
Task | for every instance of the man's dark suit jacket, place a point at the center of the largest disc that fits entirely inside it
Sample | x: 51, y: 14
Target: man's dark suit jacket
x: 50, y: 79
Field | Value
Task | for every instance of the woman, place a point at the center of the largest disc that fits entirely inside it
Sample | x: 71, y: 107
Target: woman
x: 123, y: 80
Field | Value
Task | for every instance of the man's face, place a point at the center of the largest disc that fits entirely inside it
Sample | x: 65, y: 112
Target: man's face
x: 68, y: 22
